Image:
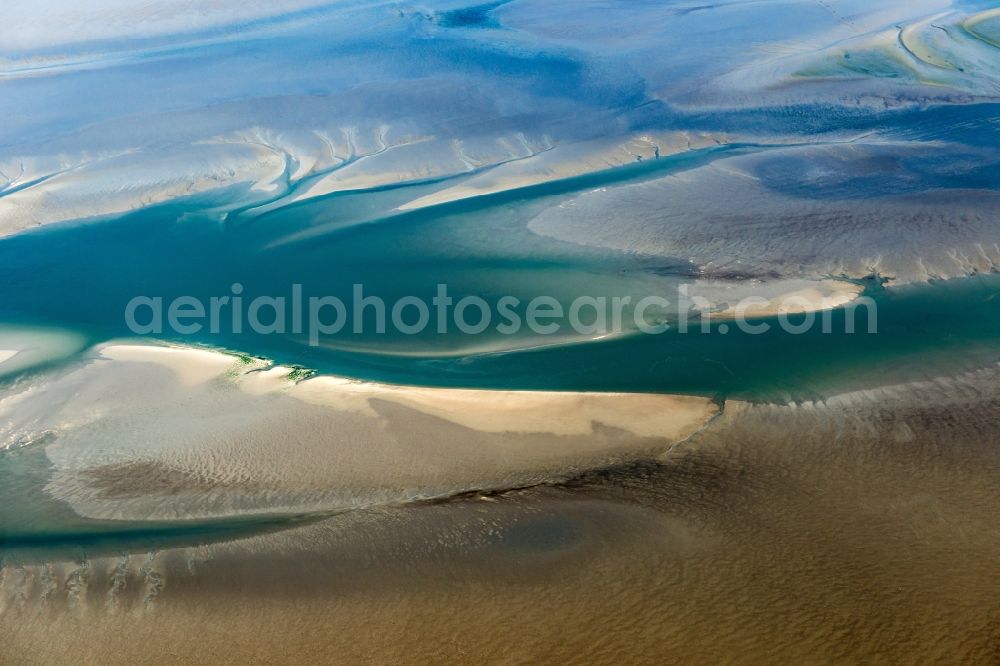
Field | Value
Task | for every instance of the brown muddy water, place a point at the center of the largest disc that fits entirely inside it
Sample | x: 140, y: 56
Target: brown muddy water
x: 862, y: 530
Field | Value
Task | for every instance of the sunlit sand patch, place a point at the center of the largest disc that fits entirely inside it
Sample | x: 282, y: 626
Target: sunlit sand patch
x: 851, y: 210
x: 916, y: 38
x: 985, y: 26
x: 929, y: 55
x: 425, y: 159
x: 567, y: 161
x: 644, y: 415
x: 768, y: 299
x: 165, y: 433
x: 192, y: 367
x: 562, y: 414
x: 124, y: 182
x: 254, y: 170
x: 933, y: 50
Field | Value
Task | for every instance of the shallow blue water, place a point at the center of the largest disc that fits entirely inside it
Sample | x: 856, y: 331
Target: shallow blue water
x: 83, y: 276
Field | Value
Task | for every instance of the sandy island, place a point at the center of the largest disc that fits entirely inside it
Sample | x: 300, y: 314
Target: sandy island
x: 153, y: 432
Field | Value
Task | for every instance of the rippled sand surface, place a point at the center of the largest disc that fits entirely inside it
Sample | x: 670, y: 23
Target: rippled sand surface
x: 862, y: 529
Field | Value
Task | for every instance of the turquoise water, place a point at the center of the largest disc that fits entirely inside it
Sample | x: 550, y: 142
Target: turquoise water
x: 81, y: 277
